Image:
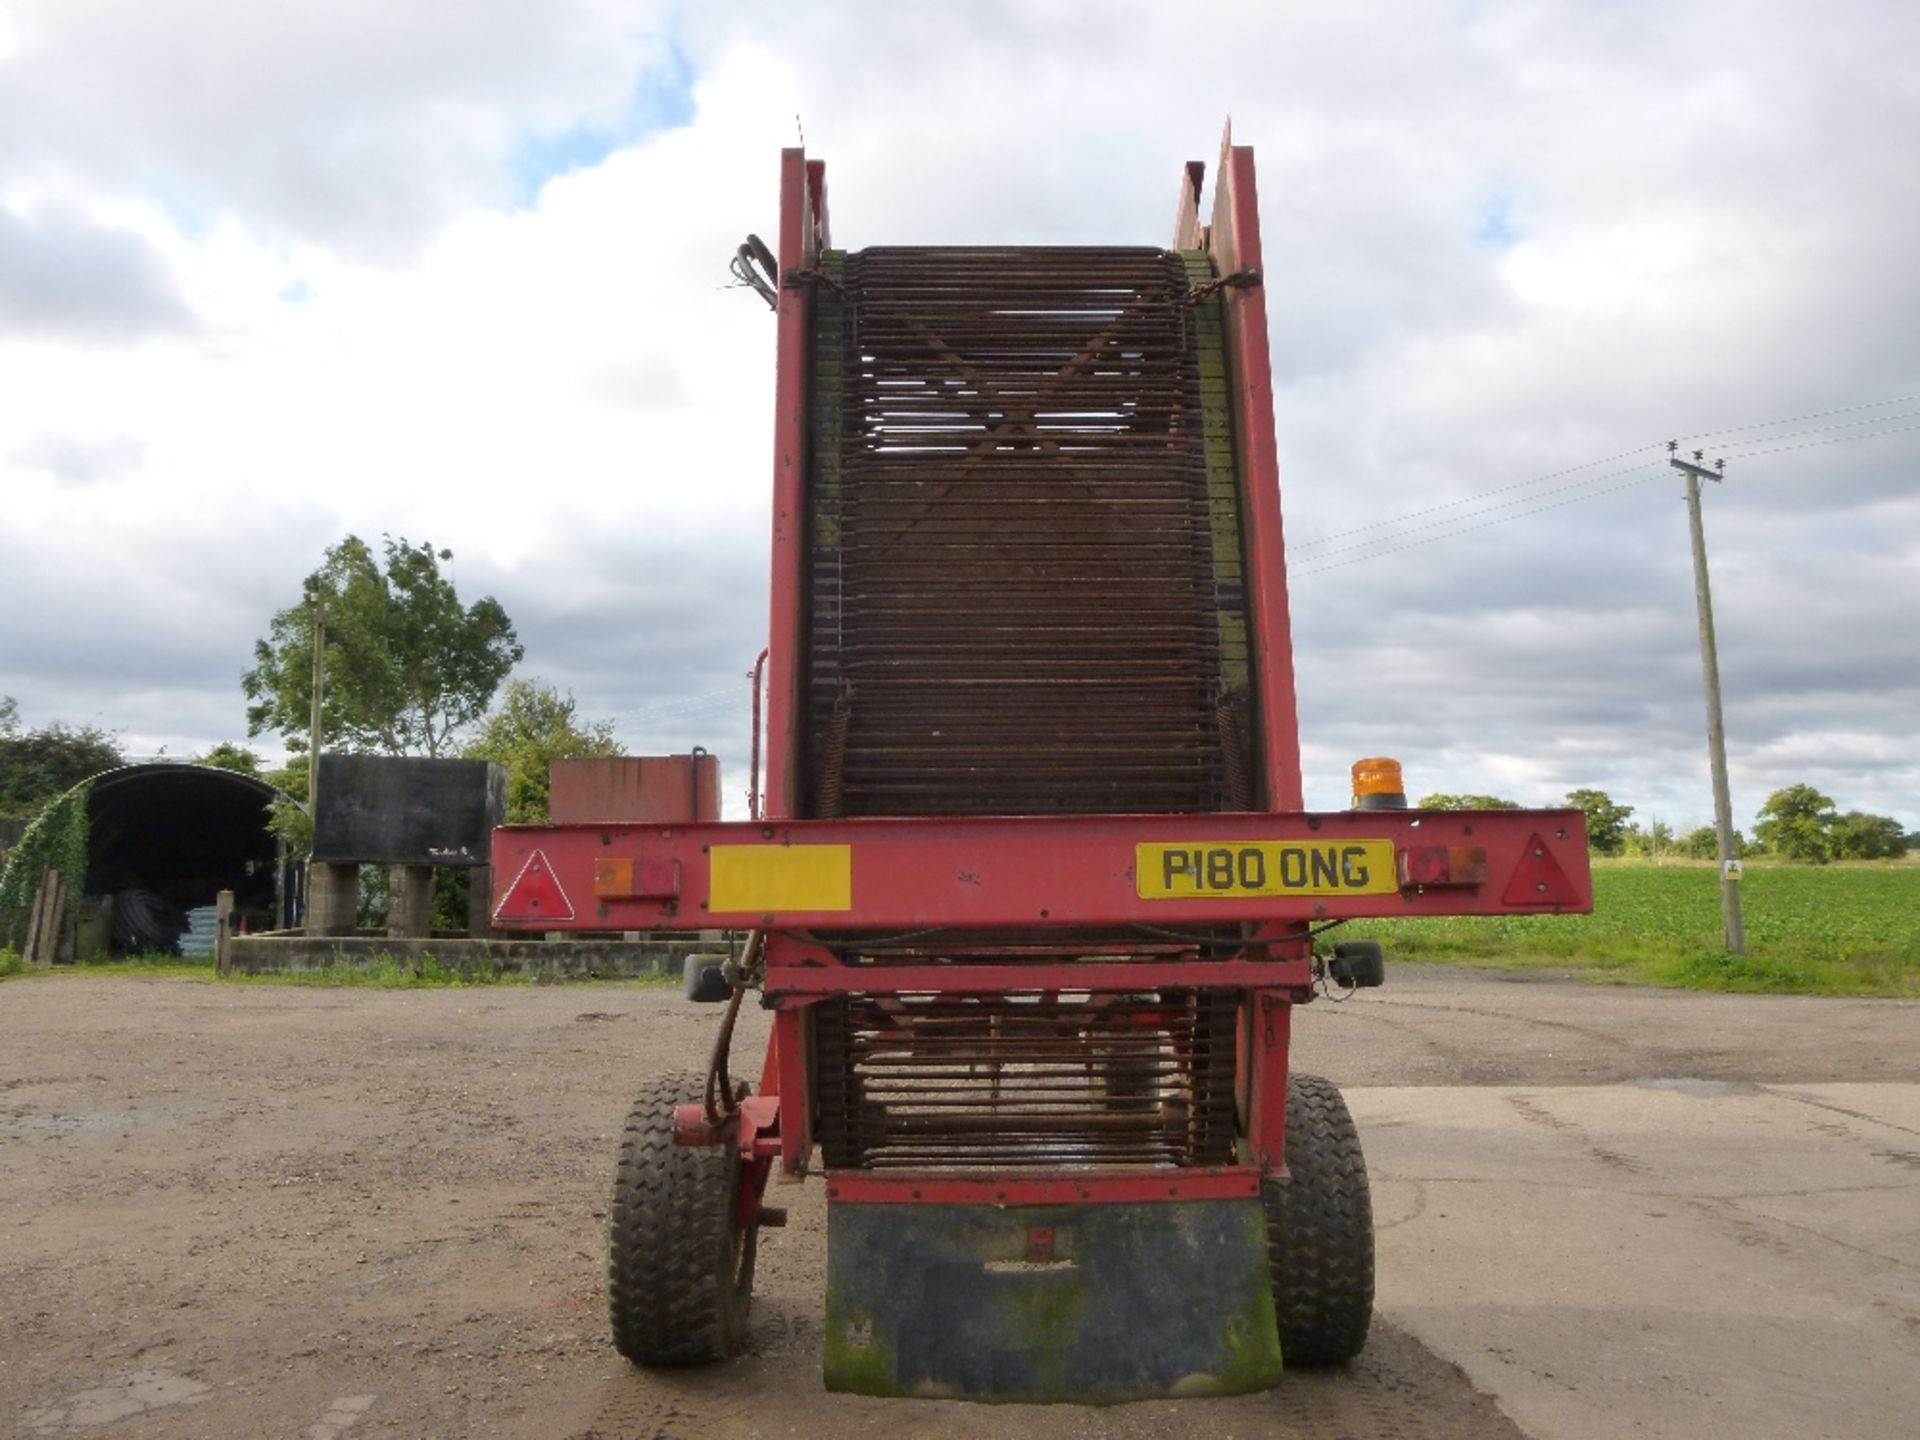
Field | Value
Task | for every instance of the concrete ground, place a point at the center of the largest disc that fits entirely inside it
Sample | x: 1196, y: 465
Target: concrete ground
x: 243, y: 1209
x: 1718, y: 1234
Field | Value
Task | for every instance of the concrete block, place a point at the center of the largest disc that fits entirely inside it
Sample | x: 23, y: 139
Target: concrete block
x: 410, y: 900
x: 333, y: 898
x: 480, y: 900
x: 399, y: 810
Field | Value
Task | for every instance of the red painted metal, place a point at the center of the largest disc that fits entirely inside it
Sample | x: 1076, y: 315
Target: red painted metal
x: 1187, y: 233
x: 1269, y: 1029
x: 692, y: 1128
x: 787, y: 1056
x: 639, y: 789
x: 753, y: 784
x: 1234, y: 239
x: 533, y: 894
x: 753, y: 1127
x: 1002, y: 979
x: 1111, y: 1187
x: 952, y: 970
x: 1540, y: 880
x: 1034, y: 871
x: 760, y: 1145
x: 803, y: 234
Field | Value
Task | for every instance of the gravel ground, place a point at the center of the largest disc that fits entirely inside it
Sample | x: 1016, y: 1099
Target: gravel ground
x: 260, y: 1210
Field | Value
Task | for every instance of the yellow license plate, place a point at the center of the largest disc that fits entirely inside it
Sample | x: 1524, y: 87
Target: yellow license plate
x: 1228, y: 869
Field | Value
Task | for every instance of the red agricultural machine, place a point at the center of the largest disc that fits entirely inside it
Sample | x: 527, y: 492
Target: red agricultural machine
x: 1032, y: 895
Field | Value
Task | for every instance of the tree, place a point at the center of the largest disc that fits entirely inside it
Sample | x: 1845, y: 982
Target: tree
x: 1794, y: 823
x: 407, y: 667
x: 535, y: 723
x: 287, y: 817
x: 1704, y: 844
x: 1606, y: 821
x: 37, y: 765
x: 1651, y: 840
x: 229, y: 756
x: 1465, y: 802
x: 1857, y: 836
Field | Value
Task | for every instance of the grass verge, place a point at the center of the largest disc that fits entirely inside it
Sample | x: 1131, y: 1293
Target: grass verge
x: 1838, y: 930
x: 378, y: 972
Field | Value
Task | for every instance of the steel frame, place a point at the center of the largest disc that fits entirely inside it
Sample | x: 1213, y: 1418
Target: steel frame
x: 1028, y: 871
x: 1065, y: 876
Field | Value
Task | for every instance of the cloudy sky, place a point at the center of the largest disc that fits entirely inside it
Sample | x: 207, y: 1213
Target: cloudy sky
x: 275, y: 272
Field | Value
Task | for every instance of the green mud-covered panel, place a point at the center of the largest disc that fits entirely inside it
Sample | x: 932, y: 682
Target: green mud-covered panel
x: 1132, y: 1302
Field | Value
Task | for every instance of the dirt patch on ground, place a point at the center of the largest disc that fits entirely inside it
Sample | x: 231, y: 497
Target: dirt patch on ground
x: 256, y: 1210
x: 247, y: 1210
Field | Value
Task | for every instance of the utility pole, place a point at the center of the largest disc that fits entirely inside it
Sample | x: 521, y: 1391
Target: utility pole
x: 1695, y: 471
x: 318, y: 606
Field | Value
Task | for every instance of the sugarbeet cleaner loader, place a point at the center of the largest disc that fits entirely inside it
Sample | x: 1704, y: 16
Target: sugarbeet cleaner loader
x: 1032, y: 894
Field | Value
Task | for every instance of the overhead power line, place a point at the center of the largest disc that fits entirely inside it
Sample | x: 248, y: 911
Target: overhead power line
x: 1831, y: 440
x: 679, y: 707
x: 1796, y: 419
x: 1468, y: 499
x: 1373, y: 552
x: 664, y: 712
x: 1452, y: 524
x: 1825, y: 435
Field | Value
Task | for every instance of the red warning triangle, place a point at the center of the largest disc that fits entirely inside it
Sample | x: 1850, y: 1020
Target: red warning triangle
x: 535, y: 894
x: 1538, y: 879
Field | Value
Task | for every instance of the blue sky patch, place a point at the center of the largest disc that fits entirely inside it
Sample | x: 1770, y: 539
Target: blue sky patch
x: 662, y: 100
x: 1494, y: 225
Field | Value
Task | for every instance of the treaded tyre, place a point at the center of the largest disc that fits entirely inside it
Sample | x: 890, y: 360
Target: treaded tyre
x: 680, y: 1276
x: 1320, y: 1230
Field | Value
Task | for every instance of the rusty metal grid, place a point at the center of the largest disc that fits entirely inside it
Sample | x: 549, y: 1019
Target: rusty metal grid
x: 1026, y: 1081
x: 1025, y: 591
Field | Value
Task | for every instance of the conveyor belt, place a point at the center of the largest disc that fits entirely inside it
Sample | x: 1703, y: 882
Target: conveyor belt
x: 1025, y: 583
x: 1026, y: 1080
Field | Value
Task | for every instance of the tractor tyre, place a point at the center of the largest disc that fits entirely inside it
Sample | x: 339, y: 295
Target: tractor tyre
x: 1320, y: 1230
x: 680, y: 1276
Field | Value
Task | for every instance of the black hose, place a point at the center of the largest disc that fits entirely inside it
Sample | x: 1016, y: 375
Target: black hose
x: 761, y: 253
x: 720, y: 1099
x: 753, y: 265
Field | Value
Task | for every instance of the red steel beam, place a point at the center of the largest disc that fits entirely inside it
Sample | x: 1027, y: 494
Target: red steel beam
x: 803, y: 234
x: 1268, y: 1032
x: 880, y: 874
x: 1234, y: 239
x: 978, y: 979
x: 1187, y: 234
x: 1232, y: 1182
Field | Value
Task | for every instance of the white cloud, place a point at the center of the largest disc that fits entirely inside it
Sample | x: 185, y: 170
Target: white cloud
x: 306, y: 284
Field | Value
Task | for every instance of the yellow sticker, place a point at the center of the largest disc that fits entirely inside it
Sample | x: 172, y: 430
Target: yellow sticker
x: 1228, y: 869
x: 768, y: 878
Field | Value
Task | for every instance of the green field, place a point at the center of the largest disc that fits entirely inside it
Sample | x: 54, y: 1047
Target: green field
x: 1834, y: 930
